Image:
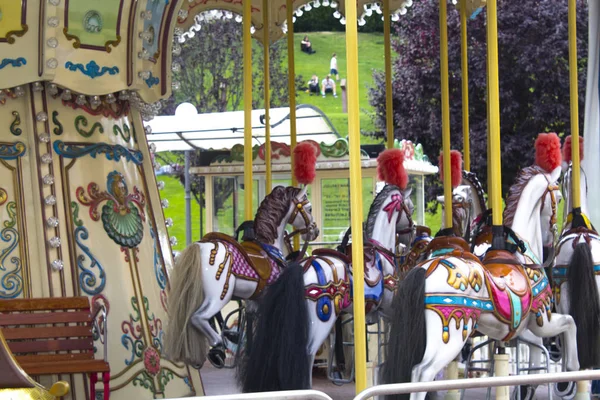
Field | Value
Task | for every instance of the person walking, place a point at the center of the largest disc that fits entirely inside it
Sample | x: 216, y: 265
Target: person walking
x: 333, y: 67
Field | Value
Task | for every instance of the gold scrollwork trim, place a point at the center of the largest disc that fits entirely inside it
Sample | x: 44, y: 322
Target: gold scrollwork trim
x: 70, y: 37
x: 113, y: 43
x: 9, y: 35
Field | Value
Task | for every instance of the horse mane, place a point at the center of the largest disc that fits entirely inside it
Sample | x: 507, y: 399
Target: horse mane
x: 474, y: 181
x: 271, y: 212
x: 514, y: 194
x: 376, y: 206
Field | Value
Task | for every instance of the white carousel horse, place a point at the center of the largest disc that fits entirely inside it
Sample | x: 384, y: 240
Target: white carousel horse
x: 499, y: 297
x: 576, y: 277
x: 298, y: 312
x: 210, y: 273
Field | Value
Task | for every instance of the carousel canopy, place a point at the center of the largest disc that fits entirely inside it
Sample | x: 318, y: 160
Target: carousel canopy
x: 188, y: 130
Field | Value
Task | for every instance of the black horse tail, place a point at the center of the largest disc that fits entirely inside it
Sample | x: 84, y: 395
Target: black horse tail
x: 276, y: 356
x: 585, y: 306
x: 406, y: 332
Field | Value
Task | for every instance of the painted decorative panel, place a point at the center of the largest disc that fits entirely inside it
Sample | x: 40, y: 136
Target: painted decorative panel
x: 155, y: 9
x: 93, y: 25
x: 13, y: 16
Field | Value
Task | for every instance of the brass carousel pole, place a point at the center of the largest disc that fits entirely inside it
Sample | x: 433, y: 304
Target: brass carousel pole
x: 445, y: 114
x: 389, y: 105
x: 356, y: 205
x: 267, y: 79
x: 247, y: 45
x: 464, y: 62
x: 291, y: 79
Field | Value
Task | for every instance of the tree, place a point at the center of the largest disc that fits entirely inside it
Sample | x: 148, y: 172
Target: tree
x: 534, y: 80
x: 211, y: 78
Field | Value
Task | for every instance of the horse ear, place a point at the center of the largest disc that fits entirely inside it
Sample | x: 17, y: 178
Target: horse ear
x: 555, y: 174
x: 302, y: 192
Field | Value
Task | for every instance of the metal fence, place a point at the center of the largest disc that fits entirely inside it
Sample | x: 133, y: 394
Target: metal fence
x: 473, y: 383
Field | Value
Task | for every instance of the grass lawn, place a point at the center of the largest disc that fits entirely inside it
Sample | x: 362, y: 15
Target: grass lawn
x: 371, y: 56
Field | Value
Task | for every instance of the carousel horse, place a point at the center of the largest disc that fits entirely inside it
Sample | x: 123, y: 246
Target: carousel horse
x: 298, y: 312
x: 500, y: 296
x: 210, y: 273
x: 576, y: 274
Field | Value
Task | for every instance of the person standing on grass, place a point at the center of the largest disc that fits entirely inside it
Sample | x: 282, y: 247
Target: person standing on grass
x: 333, y: 68
x: 328, y: 86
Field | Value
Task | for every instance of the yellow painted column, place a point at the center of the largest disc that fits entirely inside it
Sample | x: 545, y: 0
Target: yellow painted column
x: 356, y: 206
x: 574, y: 103
x: 464, y: 62
x: 494, y: 113
x: 247, y: 44
x: 445, y: 114
x: 389, y: 105
x: 291, y: 80
x: 267, y: 79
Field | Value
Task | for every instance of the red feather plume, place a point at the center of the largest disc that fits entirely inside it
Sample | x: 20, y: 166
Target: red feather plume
x: 390, y: 168
x: 566, y: 150
x: 456, y: 167
x: 305, y: 162
x: 547, y: 151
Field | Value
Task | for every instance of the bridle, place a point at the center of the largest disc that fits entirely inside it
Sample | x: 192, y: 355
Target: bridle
x: 309, y: 225
x: 550, y: 189
x: 410, y: 229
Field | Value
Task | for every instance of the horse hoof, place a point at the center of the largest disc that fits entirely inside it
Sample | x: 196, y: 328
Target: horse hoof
x: 527, y: 393
x: 197, y: 366
x: 565, y: 390
x: 216, y: 356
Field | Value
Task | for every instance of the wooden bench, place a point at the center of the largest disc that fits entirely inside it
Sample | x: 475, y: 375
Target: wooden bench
x: 55, y: 336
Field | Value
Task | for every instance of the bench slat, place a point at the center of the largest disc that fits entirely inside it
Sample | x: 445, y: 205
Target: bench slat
x: 44, y: 304
x: 47, y: 333
x: 40, y: 346
x: 45, y: 318
x: 73, y: 367
x: 50, y: 358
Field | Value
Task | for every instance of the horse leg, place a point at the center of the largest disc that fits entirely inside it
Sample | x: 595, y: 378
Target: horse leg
x: 437, y: 353
x: 535, y: 361
x: 216, y: 298
x: 559, y: 323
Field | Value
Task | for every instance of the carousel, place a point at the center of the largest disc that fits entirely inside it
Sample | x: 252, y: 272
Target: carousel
x: 94, y: 305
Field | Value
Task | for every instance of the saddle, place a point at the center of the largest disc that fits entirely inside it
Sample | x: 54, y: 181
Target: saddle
x: 324, y: 252
x: 253, y: 254
x: 372, y: 273
x: 423, y: 230
x: 448, y: 244
x: 505, y: 270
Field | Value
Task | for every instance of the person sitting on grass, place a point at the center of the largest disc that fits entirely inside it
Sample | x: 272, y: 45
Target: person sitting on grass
x: 313, y: 85
x: 306, y: 46
x: 328, y: 86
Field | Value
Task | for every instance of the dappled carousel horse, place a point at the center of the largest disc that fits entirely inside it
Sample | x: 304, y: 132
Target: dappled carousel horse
x: 210, y: 273
x: 444, y: 299
x: 298, y: 312
x: 576, y: 275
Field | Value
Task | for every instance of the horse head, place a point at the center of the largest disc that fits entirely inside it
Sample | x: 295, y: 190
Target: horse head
x: 462, y: 209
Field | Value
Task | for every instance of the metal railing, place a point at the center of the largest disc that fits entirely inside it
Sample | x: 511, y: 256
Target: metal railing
x: 283, y: 395
x: 537, y: 379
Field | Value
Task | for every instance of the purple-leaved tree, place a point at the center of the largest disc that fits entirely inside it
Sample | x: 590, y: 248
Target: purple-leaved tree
x: 534, y: 80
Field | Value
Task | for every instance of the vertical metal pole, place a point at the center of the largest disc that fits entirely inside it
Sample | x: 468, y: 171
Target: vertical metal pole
x: 356, y: 206
x: 291, y: 79
x: 494, y: 104
x: 247, y: 40
x: 445, y: 114
x: 389, y: 105
x: 464, y: 49
x: 574, y: 104
x: 267, y: 79
x: 188, y: 200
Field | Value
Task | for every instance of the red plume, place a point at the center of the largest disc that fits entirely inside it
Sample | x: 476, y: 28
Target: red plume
x: 566, y: 150
x: 390, y: 168
x: 305, y: 162
x: 547, y: 151
x: 456, y: 167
